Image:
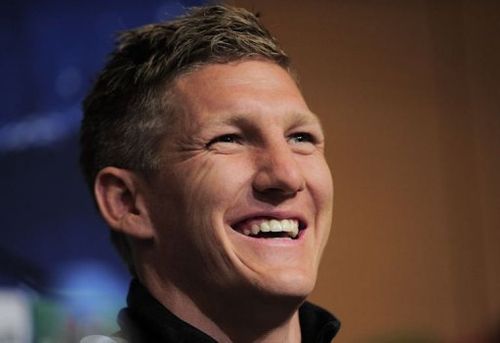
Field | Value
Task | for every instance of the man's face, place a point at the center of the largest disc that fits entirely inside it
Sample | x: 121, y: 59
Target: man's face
x: 244, y: 198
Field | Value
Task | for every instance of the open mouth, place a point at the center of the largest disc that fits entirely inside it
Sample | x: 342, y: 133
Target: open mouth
x: 270, y: 228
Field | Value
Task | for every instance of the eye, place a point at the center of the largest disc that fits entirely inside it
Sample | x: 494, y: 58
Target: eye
x: 302, y: 137
x: 227, y: 138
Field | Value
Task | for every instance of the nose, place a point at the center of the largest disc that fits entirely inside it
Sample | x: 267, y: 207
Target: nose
x: 278, y: 174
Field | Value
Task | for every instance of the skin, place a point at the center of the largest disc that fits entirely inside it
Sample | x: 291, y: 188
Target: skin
x: 245, y: 147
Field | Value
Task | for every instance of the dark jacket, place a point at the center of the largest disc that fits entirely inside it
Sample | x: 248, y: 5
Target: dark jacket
x: 145, y: 320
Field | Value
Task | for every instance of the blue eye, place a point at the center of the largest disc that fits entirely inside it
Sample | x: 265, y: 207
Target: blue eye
x: 302, y: 137
x: 228, y: 138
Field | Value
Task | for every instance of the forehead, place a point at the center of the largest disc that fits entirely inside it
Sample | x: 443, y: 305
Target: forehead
x: 239, y: 90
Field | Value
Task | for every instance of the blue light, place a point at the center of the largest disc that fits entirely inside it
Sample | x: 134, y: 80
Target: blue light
x: 90, y: 290
x: 39, y: 130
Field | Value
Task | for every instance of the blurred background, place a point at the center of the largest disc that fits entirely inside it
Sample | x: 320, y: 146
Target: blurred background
x: 409, y: 94
x: 59, y: 276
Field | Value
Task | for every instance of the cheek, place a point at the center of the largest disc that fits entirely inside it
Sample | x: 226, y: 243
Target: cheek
x: 211, y: 188
x: 214, y: 183
x: 320, y: 182
x: 207, y: 188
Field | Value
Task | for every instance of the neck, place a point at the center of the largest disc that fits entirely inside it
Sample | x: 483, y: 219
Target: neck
x: 249, y: 317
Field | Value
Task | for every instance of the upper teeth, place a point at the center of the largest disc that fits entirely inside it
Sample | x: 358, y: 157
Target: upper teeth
x: 285, y: 225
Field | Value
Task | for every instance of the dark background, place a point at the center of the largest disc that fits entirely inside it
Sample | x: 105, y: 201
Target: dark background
x: 53, y: 242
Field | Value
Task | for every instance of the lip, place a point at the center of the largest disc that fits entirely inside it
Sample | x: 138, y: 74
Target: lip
x: 279, y: 215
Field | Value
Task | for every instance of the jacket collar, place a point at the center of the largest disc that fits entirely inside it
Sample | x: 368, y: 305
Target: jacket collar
x: 145, y: 320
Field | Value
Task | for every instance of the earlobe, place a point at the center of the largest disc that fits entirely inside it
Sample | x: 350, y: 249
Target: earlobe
x: 119, y: 196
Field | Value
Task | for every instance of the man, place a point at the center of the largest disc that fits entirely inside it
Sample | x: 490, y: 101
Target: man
x: 208, y: 166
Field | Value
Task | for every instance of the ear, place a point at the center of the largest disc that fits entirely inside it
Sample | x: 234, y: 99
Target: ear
x: 120, y: 197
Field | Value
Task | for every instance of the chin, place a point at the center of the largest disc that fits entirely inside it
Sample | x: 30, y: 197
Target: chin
x: 288, y: 284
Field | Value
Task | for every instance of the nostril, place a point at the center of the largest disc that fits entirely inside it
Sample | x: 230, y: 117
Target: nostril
x: 280, y: 182
x: 277, y: 191
x: 273, y: 196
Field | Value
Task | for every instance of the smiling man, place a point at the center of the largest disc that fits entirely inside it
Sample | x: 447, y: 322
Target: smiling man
x: 208, y: 166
